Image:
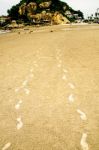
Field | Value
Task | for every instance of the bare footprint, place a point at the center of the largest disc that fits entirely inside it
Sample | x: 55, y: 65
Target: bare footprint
x: 64, y: 77
x: 6, y: 146
x: 71, y: 85
x: 25, y: 82
x: 19, y: 123
x: 71, y: 98
x: 17, y: 106
x: 27, y: 91
x: 82, y: 114
x: 83, y: 142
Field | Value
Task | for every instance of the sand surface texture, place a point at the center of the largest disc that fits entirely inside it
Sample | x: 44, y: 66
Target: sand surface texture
x: 49, y: 89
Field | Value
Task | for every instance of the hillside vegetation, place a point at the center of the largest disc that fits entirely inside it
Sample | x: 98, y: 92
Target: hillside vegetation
x: 39, y: 11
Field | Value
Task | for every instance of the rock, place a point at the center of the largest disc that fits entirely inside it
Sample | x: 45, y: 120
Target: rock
x: 14, y: 25
x: 45, y: 4
x: 46, y: 16
x: 59, y: 18
x: 35, y: 17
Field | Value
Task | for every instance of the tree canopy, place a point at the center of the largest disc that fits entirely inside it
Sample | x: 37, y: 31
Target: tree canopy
x: 56, y: 5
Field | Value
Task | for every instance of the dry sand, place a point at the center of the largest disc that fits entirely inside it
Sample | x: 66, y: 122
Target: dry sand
x: 49, y: 88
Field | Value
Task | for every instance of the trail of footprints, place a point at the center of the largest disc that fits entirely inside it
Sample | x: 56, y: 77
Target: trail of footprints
x: 19, y: 121
x: 23, y: 87
x: 71, y: 99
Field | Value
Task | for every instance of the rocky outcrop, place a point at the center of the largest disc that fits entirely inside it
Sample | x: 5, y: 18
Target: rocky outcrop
x: 40, y: 17
x: 14, y: 25
x: 54, y: 18
x: 45, y: 4
x: 59, y: 19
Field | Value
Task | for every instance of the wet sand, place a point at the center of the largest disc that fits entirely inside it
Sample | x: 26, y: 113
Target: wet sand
x: 49, y: 88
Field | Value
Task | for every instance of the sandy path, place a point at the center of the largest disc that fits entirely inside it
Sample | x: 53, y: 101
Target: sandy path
x: 49, y: 89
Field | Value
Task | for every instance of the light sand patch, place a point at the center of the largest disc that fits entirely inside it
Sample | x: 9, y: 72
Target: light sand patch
x: 83, y: 142
x: 8, y: 64
x: 59, y: 65
x: 65, y: 70
x: 36, y: 65
x: 57, y: 57
x: 39, y: 31
x: 19, y: 123
x: 45, y: 57
x: 17, y: 90
x: 68, y: 29
x: 82, y: 114
x: 60, y: 61
x: 31, y: 75
x: 6, y: 146
x: 31, y: 70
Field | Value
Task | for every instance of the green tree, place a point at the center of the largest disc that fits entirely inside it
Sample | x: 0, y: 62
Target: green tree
x: 13, y: 12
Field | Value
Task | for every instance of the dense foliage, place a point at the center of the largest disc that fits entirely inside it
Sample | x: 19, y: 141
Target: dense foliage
x: 56, y: 5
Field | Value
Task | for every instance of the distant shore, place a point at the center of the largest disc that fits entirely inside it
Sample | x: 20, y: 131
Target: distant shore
x: 30, y: 28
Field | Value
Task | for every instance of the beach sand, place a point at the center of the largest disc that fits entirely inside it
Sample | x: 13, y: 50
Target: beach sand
x: 49, y: 88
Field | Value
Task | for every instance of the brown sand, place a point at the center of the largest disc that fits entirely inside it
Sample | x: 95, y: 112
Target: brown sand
x: 50, y: 120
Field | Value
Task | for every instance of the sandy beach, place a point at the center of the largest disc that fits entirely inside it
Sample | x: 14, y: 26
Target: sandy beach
x: 49, y: 88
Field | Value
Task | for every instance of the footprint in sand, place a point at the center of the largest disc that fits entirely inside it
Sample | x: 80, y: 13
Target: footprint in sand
x: 27, y: 91
x: 25, y: 83
x: 17, y: 106
x: 19, y: 123
x: 83, y: 142
x: 6, y: 146
x: 71, y: 98
x: 71, y: 85
x: 64, y: 77
x: 82, y: 114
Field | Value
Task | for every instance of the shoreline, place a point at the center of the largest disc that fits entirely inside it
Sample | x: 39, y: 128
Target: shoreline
x: 50, y: 28
x: 4, y: 31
